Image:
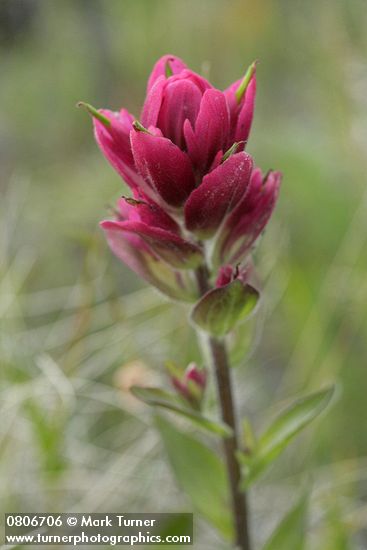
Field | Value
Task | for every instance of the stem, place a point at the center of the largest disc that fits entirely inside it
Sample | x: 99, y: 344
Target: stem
x: 230, y: 444
x: 220, y: 362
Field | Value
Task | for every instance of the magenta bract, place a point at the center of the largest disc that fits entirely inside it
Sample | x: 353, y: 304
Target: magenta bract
x: 164, y: 167
x: 245, y: 223
x: 146, y: 239
x: 219, y: 193
x: 190, y: 177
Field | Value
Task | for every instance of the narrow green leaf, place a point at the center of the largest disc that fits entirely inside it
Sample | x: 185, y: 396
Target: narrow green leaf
x: 160, y: 398
x: 94, y: 112
x: 289, y: 423
x: 245, y: 82
x: 201, y: 474
x: 291, y: 532
x: 248, y: 434
x: 220, y: 309
x: 281, y: 432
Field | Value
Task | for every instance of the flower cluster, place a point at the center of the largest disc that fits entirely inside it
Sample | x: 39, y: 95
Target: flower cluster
x: 196, y: 196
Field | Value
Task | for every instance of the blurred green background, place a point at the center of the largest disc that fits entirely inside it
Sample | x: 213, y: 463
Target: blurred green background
x: 77, y: 327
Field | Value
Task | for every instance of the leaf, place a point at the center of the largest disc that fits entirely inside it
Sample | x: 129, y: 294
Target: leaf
x: 176, y: 524
x: 248, y: 434
x: 281, y: 432
x: 160, y: 398
x: 220, y: 309
x: 338, y: 532
x: 201, y: 474
x: 291, y: 532
x: 294, y: 419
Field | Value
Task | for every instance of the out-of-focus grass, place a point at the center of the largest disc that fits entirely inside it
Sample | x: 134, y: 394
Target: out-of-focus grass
x: 72, y: 318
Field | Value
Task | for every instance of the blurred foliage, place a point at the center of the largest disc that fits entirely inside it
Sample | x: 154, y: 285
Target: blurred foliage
x: 77, y: 328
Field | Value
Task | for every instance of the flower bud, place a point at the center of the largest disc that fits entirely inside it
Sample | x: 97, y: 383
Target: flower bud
x: 190, y: 384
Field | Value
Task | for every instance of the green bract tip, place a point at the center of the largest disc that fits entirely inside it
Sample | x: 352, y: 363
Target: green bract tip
x: 168, y: 70
x: 245, y: 82
x: 133, y: 202
x: 232, y: 150
x: 94, y: 112
x: 139, y: 127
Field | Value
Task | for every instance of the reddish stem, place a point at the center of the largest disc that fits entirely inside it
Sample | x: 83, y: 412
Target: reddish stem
x: 220, y: 362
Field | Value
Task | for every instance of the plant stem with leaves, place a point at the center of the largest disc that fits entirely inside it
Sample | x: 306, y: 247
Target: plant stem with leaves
x: 221, y: 369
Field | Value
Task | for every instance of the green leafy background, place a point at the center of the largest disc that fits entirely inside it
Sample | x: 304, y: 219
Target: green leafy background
x: 77, y: 328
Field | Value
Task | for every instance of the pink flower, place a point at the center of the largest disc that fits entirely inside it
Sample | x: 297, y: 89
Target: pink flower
x: 190, y: 177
